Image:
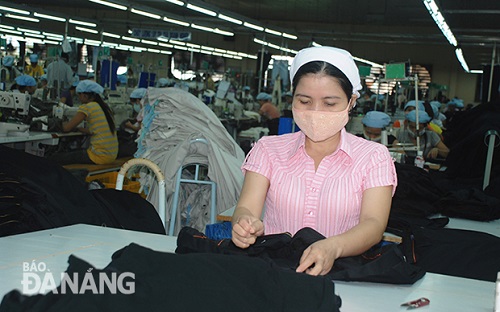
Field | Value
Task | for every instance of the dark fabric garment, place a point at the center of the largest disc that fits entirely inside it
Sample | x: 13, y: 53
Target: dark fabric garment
x: 79, y: 156
x: 194, y: 282
x: 465, y: 137
x: 37, y: 194
x: 381, y: 264
x: 273, y: 125
x: 472, y: 204
x: 416, y: 193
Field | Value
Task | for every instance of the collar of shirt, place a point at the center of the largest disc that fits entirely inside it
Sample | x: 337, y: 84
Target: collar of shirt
x: 344, y: 145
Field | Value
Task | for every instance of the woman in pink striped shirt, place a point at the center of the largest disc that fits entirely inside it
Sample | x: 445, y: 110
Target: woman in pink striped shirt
x: 320, y: 177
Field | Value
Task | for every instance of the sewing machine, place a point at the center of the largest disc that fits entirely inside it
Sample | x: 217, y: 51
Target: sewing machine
x: 18, y: 104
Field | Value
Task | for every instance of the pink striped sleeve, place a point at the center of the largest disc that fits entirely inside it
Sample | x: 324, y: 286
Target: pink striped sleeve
x: 381, y: 171
x: 258, y: 161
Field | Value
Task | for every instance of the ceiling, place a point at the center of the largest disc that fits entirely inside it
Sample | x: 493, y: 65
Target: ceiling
x: 393, y: 23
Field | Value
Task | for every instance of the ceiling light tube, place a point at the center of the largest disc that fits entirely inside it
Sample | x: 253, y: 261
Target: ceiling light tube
x: 53, y: 35
x: 476, y: 71
x: 229, y: 19
x: 50, y: 17
x: 28, y: 30
x: 219, y: 50
x: 153, y: 50
x: 192, y: 45
x: 110, y: 4
x: 24, y: 18
x: 223, y: 32
x: 54, y: 38
x: 50, y: 42
x: 174, y: 21
x: 144, y: 13
x: 259, y: 41
x: 206, y: 52
x: 273, y: 32
x: 4, y: 8
x: 177, y: 42
x: 34, y: 35
x: 256, y: 27
x: 7, y: 27
x: 200, y: 9
x: 289, y: 36
x: 131, y: 39
x: 180, y: 47
x: 149, y: 42
x: 166, y: 45
x: 107, y: 34
x: 218, y: 54
x: 208, y: 48
x: 165, y: 52
x: 180, y: 3
x: 11, y: 31
x: 93, y: 31
x: 202, y: 27
x: 231, y: 52
x: 78, y: 22
x: 461, y: 59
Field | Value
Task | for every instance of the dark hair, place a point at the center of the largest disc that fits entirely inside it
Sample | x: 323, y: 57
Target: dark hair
x: 429, y: 110
x: 105, y: 107
x: 317, y: 67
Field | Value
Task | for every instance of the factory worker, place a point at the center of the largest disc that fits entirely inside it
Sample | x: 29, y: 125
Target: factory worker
x: 409, y: 106
x: 25, y: 83
x: 8, y: 72
x: 136, y: 96
x: 288, y: 100
x: 246, y: 96
x: 103, y: 147
x: 430, y: 143
x: 321, y: 177
x: 69, y: 97
x: 42, y: 92
x: 373, y: 124
x: 129, y: 128
x: 34, y: 70
x: 269, y: 111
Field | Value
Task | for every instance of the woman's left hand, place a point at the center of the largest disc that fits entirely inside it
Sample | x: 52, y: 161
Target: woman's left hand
x: 318, y: 258
x: 433, y: 153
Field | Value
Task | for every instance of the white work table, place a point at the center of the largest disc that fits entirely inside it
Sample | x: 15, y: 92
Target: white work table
x: 96, y: 244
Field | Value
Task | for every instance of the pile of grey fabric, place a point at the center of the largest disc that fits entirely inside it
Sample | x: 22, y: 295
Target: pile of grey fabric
x: 179, y: 129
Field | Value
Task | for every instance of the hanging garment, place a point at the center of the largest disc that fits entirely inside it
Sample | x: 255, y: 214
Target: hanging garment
x: 194, y: 282
x: 109, y: 75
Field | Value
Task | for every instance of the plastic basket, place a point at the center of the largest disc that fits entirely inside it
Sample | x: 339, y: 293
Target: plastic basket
x: 108, y: 179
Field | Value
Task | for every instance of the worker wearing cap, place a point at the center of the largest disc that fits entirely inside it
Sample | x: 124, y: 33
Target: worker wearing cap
x: 269, y: 111
x: 246, y: 97
x: 8, y: 72
x: 373, y: 124
x: 34, y: 70
x: 429, y: 141
x: 42, y: 92
x: 100, y: 125
x: 25, y: 83
x: 129, y: 128
x: 321, y: 177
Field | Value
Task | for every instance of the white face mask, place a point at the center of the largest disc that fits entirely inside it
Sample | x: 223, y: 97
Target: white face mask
x: 137, y: 108
x: 320, y: 125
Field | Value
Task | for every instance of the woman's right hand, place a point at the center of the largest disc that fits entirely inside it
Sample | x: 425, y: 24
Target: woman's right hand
x: 246, y: 230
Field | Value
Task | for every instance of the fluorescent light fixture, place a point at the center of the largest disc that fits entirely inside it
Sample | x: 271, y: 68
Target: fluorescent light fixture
x: 149, y: 42
x: 166, y: 45
x: 289, y: 36
x: 24, y: 18
x: 144, y: 13
x: 476, y: 71
x: 200, y: 9
x: 315, y: 44
x: 275, y: 46
x: 11, y: 31
x: 4, y: 8
x: 110, y: 4
x: 180, y: 3
x: 7, y: 27
x: 206, y: 52
x: 218, y: 54
x: 76, y: 39
x: 34, y: 40
x: 223, y: 32
x: 177, y: 42
x: 125, y: 46
x: 31, y: 31
x: 230, y: 19
x: 373, y: 64
x: 153, y: 50
x: 34, y: 35
x: 129, y: 31
x: 50, y: 17
x: 461, y: 59
x: 53, y: 35
x: 440, y: 21
x: 53, y: 38
x: 208, y: 48
x: 256, y: 27
x: 174, y: 21
x: 107, y: 34
x: 110, y: 44
x: 202, y: 27
x: 192, y: 45
x: 165, y: 52
x: 93, y: 31
x: 50, y: 42
x: 180, y: 47
x: 92, y: 42
x: 273, y: 32
x: 231, y: 52
x: 131, y: 39
x: 219, y: 50
x: 227, y: 56
x: 78, y: 22
x: 259, y: 41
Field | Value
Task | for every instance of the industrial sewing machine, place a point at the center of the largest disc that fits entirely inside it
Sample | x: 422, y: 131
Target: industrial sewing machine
x: 14, y: 104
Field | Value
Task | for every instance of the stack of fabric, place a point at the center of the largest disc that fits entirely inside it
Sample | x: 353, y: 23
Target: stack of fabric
x: 173, y: 120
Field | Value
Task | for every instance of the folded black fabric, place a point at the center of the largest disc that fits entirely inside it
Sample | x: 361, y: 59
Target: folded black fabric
x: 381, y: 264
x: 191, y: 282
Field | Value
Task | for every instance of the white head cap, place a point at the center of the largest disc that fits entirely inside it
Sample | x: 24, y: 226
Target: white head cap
x: 337, y: 57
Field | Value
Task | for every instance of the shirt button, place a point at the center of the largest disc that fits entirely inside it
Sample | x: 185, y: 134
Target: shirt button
x: 313, y: 189
x: 310, y: 213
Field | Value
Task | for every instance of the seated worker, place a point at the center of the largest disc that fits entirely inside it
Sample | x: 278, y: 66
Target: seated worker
x: 68, y: 96
x: 25, y: 83
x: 411, y: 105
x: 34, y: 70
x: 127, y: 134
x: 321, y: 177
x: 42, y: 92
x: 269, y: 111
x: 430, y: 143
x: 103, y: 147
x: 8, y: 72
x: 373, y: 124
